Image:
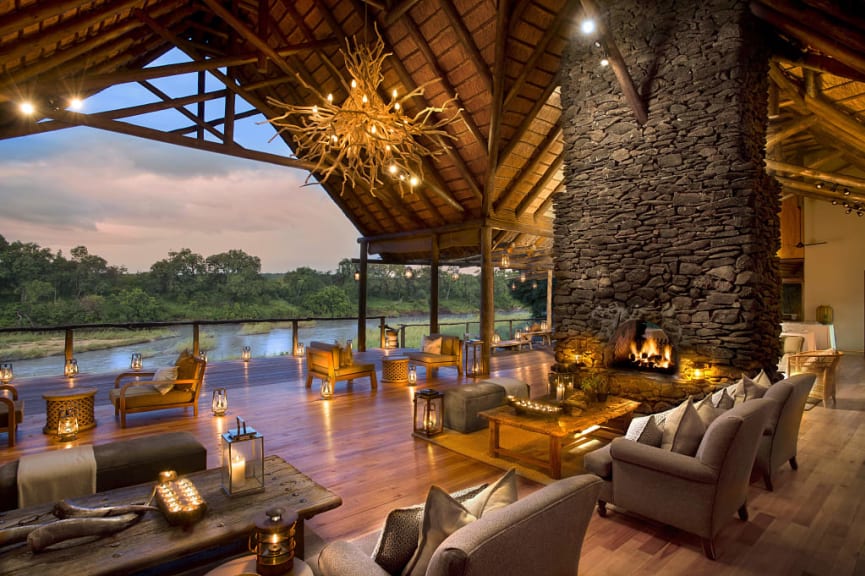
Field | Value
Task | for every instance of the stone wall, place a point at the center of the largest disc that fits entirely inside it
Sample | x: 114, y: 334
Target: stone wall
x: 674, y: 222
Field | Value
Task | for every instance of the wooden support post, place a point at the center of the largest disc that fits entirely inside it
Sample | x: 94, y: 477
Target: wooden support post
x: 294, y: 338
x: 67, y: 346
x: 202, y: 77
x: 488, y: 309
x: 434, y: 287
x: 381, y: 332
x: 196, y: 350
x: 361, y: 299
x: 549, y: 299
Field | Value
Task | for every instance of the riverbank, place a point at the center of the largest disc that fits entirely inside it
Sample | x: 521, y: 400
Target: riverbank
x: 28, y: 345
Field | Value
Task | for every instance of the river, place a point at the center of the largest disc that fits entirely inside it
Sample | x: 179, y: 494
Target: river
x: 227, y: 344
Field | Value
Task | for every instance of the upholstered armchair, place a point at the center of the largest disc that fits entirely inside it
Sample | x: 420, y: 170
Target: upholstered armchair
x: 781, y: 437
x: 541, y: 533
x: 11, y: 412
x: 699, y: 493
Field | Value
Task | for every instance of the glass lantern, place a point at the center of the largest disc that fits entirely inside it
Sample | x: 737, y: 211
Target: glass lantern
x: 71, y: 368
x: 300, y: 350
x: 274, y: 542
x: 326, y: 389
x: 246, y: 353
x: 6, y: 374
x: 428, y: 412
x: 219, y: 403
x: 137, y: 362
x: 412, y: 375
x: 242, y: 460
x: 67, y: 426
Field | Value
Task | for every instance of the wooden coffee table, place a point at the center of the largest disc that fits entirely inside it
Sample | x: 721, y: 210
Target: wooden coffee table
x: 558, y: 429
x: 152, y: 542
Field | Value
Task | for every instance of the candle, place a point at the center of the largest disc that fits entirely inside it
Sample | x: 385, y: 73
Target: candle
x: 238, y: 471
x: 560, y: 392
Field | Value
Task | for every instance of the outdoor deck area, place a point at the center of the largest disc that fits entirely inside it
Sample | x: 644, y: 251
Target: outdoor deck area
x: 359, y: 445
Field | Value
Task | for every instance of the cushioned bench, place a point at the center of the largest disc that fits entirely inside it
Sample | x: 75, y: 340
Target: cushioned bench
x: 462, y: 404
x: 125, y: 462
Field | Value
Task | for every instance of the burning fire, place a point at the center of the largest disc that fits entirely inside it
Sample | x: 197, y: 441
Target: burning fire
x: 652, y: 354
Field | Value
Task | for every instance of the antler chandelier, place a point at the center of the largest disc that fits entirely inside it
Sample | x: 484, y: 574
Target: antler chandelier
x: 365, y: 137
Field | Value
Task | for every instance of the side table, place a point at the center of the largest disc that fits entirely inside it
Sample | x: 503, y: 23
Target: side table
x: 246, y: 565
x: 79, y: 400
x: 394, y: 369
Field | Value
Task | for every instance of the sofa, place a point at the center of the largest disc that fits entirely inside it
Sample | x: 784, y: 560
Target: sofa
x: 438, y: 351
x: 698, y: 493
x: 125, y: 462
x: 541, y: 533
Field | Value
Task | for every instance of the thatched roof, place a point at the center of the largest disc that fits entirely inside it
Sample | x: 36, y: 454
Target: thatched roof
x: 467, y: 51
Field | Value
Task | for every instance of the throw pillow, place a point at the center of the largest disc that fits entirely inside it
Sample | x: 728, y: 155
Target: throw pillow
x: 497, y: 495
x: 651, y: 434
x: 707, y: 411
x: 748, y: 389
x: 399, y: 536
x: 683, y: 429
x: 442, y: 516
x: 164, y: 378
x: 762, y: 379
x: 431, y: 345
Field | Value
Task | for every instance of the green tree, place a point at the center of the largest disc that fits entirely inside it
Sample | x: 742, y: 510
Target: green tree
x: 302, y: 282
x: 329, y: 301
x: 134, y: 305
x: 179, y: 275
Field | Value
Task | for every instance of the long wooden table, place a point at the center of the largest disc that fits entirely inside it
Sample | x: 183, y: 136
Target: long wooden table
x: 557, y: 429
x: 152, y: 541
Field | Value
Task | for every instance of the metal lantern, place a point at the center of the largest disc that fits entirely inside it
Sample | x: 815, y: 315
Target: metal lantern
x: 412, y: 375
x: 219, y: 403
x: 274, y: 541
x: 178, y: 500
x: 203, y: 355
x: 300, y: 350
x: 137, y: 362
x: 6, y: 374
x: 242, y: 460
x: 67, y: 426
x: 428, y: 412
x: 326, y: 389
x: 246, y: 353
x: 71, y: 368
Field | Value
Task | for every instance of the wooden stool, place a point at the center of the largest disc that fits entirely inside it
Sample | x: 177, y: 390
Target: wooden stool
x: 394, y: 369
x: 79, y: 400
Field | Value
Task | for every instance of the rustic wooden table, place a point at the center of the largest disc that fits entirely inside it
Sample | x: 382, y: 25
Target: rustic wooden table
x: 152, y: 541
x: 557, y: 429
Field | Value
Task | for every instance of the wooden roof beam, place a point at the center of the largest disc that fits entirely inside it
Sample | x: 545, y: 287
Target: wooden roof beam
x: 216, y: 122
x: 198, y: 121
x: 545, y: 205
x: 466, y: 41
x: 804, y: 172
x: 790, y: 129
x: 529, y: 118
x: 551, y: 171
x: 824, y: 194
x: 617, y: 62
x: 398, y: 11
x: 36, y: 13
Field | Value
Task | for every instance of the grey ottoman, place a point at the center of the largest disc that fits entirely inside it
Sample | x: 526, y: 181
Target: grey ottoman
x: 512, y: 386
x: 462, y: 404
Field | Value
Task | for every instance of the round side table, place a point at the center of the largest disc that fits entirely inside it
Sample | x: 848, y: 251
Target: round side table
x: 246, y: 565
x: 394, y: 369
x: 79, y: 400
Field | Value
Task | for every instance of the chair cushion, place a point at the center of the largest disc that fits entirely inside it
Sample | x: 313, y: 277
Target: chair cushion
x: 683, y: 429
x: 4, y: 414
x: 428, y: 358
x: 148, y: 395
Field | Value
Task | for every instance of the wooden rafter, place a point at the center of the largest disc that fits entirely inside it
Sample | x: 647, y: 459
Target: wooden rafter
x: 541, y: 185
x: 540, y: 154
x: 517, y: 138
x: 482, y: 69
x: 37, y: 13
x: 789, y: 129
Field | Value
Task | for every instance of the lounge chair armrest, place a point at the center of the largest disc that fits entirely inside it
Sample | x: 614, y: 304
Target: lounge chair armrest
x: 339, y: 558
x: 12, y: 389
x: 125, y: 375
x: 660, y: 460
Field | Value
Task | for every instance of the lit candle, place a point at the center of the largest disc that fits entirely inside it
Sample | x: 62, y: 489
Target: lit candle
x: 560, y: 392
x: 238, y: 471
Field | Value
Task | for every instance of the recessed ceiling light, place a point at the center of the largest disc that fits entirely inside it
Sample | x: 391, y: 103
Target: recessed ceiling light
x: 587, y: 26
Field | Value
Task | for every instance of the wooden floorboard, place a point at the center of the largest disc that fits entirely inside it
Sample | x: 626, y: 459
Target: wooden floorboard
x: 360, y: 446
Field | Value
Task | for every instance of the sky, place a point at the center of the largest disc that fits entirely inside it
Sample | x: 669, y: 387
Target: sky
x: 132, y: 201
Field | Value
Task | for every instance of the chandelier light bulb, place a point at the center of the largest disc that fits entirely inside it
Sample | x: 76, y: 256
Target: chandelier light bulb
x: 394, y: 94
x: 413, y: 181
x: 364, y: 99
x: 329, y: 98
x: 392, y: 169
x: 27, y: 108
x: 76, y: 104
x: 353, y: 83
x: 372, y: 129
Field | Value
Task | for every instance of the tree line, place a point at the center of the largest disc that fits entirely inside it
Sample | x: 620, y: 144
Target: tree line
x: 39, y: 287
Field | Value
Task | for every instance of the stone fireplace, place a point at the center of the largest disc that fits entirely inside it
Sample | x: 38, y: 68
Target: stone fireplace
x: 672, y: 225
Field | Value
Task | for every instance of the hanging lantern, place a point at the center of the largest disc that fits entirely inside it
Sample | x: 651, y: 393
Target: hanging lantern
x: 274, y: 541
x: 506, y: 261
x: 326, y: 389
x: 179, y: 500
x: 825, y: 314
x: 428, y: 412
x: 522, y: 276
x: 409, y: 273
x: 246, y: 353
x: 219, y: 403
x: 357, y: 275
x: 412, y: 375
x: 6, y: 374
x: 496, y: 338
x: 137, y: 362
x: 71, y: 368
x: 242, y: 460
x: 67, y: 426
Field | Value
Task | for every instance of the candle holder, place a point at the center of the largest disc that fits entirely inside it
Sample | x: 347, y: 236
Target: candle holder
x: 326, y: 389
x: 178, y: 500
x: 412, y: 375
x: 246, y: 353
x: 67, y: 426
x: 428, y: 412
x: 71, y: 368
x: 242, y: 460
x: 219, y: 403
x: 6, y: 374
x: 300, y: 350
x: 137, y: 362
x: 274, y: 542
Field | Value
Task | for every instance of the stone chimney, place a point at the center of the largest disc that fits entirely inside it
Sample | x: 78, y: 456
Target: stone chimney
x: 674, y: 222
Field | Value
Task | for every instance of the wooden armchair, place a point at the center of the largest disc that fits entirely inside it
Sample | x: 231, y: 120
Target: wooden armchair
x: 323, y: 361
x: 11, y: 412
x: 130, y: 396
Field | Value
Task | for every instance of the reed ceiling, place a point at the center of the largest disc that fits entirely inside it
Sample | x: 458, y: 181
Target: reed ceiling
x: 265, y: 49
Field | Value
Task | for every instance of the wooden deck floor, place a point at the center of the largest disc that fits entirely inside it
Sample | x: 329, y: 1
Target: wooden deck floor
x: 360, y: 445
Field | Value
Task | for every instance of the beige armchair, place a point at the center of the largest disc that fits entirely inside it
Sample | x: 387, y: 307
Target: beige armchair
x: 451, y: 354
x: 131, y: 394
x: 780, y: 439
x: 541, y: 533
x: 699, y: 493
